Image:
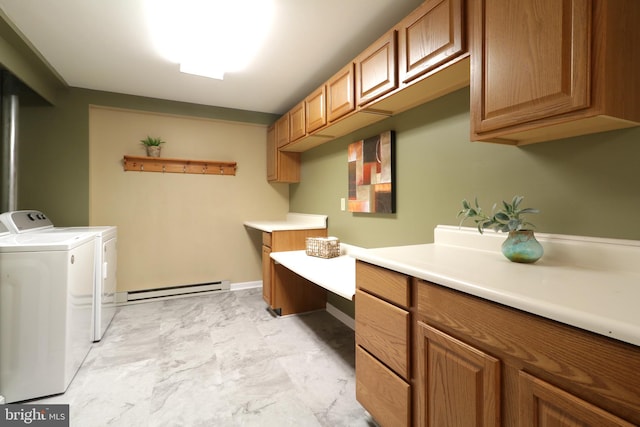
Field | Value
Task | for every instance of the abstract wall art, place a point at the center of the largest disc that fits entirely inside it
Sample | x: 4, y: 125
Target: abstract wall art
x: 371, y: 174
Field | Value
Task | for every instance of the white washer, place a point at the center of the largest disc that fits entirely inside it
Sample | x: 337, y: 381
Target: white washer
x: 46, y: 297
x: 104, y: 305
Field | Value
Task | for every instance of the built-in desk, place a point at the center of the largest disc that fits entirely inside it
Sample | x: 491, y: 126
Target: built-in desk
x: 337, y: 275
x: 284, y: 291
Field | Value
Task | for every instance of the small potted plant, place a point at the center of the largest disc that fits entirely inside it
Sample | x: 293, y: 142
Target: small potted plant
x: 152, y: 145
x: 521, y: 244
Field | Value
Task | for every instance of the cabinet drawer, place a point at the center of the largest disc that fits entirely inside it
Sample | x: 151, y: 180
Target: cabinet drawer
x: 385, y: 395
x: 387, y: 284
x: 266, y: 239
x: 383, y: 329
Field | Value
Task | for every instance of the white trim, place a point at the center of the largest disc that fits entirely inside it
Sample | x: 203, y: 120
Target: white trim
x: 245, y: 285
x: 341, y: 316
x: 121, y: 297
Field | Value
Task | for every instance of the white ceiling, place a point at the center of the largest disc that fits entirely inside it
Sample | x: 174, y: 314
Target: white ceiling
x: 104, y: 45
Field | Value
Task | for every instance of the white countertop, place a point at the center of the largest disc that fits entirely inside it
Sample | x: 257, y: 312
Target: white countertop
x: 337, y: 274
x: 589, y: 283
x: 293, y: 221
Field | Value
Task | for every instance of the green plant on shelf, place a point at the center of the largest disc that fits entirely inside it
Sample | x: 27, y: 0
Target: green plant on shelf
x: 152, y: 142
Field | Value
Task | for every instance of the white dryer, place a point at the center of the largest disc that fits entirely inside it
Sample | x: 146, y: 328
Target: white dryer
x: 104, y: 306
x: 46, y: 297
x: 105, y: 282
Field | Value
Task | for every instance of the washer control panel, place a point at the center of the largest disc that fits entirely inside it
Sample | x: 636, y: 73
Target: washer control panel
x: 25, y: 221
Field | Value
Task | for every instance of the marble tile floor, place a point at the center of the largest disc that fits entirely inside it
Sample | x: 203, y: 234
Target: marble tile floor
x: 217, y: 360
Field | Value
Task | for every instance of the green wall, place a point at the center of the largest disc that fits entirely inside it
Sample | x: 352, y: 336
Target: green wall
x: 583, y: 186
x: 54, y: 147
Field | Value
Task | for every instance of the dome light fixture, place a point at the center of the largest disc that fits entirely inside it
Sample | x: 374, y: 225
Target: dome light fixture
x: 209, y: 37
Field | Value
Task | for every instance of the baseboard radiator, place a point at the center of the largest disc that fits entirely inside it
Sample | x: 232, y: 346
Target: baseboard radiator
x: 182, y: 290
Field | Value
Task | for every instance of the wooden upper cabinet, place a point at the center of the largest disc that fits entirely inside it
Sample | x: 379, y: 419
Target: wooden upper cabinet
x: 536, y: 60
x: 376, y: 69
x: 281, y: 166
x: 430, y: 36
x: 271, y: 153
x: 547, y: 69
x: 340, y: 93
x: 316, y: 109
x: 297, y: 122
x: 282, y: 131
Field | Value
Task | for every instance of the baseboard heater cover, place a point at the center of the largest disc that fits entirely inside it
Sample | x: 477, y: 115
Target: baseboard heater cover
x: 170, y: 291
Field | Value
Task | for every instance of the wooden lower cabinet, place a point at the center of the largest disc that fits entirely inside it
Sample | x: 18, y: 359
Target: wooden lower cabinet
x: 383, y: 343
x: 542, y: 404
x: 495, y: 365
x: 458, y: 385
x: 473, y: 362
x: 267, y: 290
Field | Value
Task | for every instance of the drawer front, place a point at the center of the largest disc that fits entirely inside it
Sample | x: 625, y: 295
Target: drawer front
x: 385, y: 395
x: 387, y: 284
x: 266, y: 239
x: 383, y: 329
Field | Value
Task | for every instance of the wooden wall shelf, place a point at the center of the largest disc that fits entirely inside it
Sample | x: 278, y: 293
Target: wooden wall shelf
x: 162, y: 164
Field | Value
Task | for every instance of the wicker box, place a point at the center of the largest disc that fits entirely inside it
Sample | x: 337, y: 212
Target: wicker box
x: 323, y: 247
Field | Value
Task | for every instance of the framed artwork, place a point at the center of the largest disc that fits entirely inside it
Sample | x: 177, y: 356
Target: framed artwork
x: 371, y: 174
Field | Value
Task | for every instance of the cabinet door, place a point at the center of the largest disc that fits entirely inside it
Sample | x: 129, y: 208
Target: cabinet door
x: 316, y: 105
x: 267, y: 292
x: 430, y: 36
x: 340, y: 93
x: 542, y: 404
x: 281, y: 166
x: 530, y: 60
x: 376, y: 69
x: 282, y: 131
x: 272, y: 151
x: 458, y: 385
x: 297, y: 122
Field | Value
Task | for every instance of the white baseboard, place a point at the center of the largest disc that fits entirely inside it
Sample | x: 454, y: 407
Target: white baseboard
x: 245, y: 285
x: 341, y: 316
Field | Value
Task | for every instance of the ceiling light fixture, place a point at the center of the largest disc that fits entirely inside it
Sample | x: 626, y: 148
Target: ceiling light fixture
x: 209, y: 37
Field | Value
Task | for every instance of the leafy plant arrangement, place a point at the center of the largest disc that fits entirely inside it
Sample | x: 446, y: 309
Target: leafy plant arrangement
x: 506, y: 219
x: 152, y: 142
